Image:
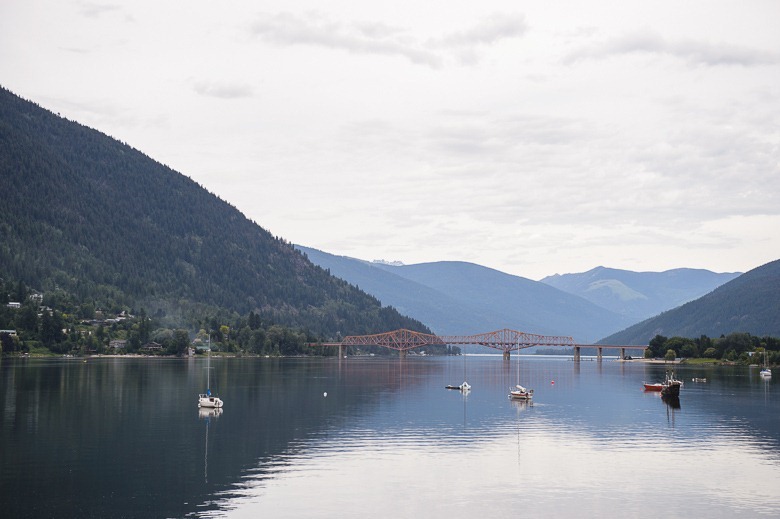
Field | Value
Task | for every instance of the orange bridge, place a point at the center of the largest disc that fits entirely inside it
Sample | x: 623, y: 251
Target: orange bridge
x: 505, y: 340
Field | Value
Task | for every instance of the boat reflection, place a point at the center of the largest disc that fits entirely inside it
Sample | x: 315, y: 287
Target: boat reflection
x: 672, y: 401
x: 207, y: 413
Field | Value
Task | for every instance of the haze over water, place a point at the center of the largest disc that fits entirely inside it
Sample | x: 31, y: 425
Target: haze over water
x: 382, y: 437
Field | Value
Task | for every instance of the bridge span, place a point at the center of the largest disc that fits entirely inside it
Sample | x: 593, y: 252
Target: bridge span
x: 505, y: 340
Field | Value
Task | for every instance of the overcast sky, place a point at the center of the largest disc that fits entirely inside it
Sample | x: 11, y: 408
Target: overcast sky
x: 531, y: 137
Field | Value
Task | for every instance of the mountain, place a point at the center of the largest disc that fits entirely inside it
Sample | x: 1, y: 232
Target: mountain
x: 90, y: 220
x: 455, y: 298
x: 639, y: 295
x: 749, y: 303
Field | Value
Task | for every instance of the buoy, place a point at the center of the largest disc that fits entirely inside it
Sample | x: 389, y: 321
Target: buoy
x: 325, y: 394
x: 552, y: 382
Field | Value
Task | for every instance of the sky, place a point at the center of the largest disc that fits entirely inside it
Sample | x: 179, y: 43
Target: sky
x: 530, y: 137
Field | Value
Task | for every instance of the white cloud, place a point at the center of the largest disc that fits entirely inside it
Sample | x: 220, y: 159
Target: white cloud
x: 377, y: 38
x: 691, y: 51
x: 222, y: 90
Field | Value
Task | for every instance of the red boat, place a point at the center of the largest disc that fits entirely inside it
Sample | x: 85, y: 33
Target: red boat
x: 658, y: 386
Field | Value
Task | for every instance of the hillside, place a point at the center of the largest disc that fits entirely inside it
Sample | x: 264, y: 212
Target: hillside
x: 463, y: 298
x: 639, y: 295
x: 93, y: 220
x: 749, y: 303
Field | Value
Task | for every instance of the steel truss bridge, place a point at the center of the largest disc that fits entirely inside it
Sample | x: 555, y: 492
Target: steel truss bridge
x: 505, y: 340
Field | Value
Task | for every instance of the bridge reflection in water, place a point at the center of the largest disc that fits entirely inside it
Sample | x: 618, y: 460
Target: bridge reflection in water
x: 505, y: 340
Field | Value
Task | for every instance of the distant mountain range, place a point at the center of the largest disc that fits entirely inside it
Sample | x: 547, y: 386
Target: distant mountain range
x: 455, y: 298
x: 639, y: 295
x: 463, y: 298
x: 91, y: 222
x: 749, y: 303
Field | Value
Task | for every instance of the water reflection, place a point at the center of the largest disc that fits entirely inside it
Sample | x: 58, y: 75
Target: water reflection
x: 388, y: 439
x: 207, y: 414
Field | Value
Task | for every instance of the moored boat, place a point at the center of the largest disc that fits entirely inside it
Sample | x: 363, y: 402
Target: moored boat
x: 207, y: 399
x: 463, y: 387
x: 671, y: 385
x: 520, y: 393
x: 765, y: 371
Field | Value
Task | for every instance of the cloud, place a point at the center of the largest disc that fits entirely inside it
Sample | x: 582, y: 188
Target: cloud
x: 360, y: 38
x: 286, y: 29
x: 691, y: 51
x: 495, y: 28
x: 93, y: 10
x: 96, y: 10
x: 222, y: 90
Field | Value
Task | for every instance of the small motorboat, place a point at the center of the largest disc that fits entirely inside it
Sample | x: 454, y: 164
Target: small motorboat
x: 520, y: 393
x: 658, y: 386
x: 463, y: 387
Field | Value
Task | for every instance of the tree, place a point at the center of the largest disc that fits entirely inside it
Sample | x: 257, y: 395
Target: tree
x: 27, y: 318
x: 656, y: 345
x: 7, y: 343
x: 670, y: 354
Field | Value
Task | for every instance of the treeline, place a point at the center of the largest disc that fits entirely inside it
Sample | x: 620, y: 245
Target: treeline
x: 54, y: 323
x: 734, y: 347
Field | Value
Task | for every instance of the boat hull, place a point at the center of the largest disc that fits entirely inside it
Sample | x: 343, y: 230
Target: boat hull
x: 654, y: 387
x: 209, y: 401
x: 671, y: 389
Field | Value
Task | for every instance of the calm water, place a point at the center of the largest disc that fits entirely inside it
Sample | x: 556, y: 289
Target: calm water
x: 124, y: 438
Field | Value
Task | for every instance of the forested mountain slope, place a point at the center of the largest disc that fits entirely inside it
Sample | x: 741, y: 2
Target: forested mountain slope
x: 96, y: 220
x: 749, y: 303
x: 639, y: 295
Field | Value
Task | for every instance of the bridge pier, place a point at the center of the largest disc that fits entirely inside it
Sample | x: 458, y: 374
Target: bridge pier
x: 599, y: 350
x: 576, y: 353
x: 506, y: 354
x: 341, y: 351
x: 402, y: 354
x: 622, y: 353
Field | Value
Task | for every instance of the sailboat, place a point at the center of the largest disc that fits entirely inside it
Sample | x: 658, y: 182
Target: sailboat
x: 765, y: 371
x: 207, y: 399
x: 465, y: 387
x: 520, y: 392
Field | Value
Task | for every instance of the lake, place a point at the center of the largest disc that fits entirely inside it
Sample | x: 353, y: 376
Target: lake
x: 382, y: 438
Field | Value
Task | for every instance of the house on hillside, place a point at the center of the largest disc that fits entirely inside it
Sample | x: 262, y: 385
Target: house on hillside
x: 118, y: 344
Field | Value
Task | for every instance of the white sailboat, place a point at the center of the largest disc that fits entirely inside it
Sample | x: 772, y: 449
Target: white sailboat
x: 765, y: 371
x: 207, y: 399
x: 519, y: 392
